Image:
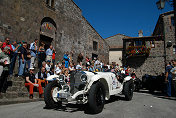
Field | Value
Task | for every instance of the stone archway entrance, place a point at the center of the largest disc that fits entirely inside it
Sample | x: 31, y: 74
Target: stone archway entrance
x: 46, y: 40
x: 48, y: 32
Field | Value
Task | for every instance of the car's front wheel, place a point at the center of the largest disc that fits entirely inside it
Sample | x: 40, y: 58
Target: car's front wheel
x: 50, y: 95
x: 96, y: 98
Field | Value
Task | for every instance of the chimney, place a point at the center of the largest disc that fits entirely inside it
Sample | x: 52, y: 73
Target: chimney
x: 140, y: 33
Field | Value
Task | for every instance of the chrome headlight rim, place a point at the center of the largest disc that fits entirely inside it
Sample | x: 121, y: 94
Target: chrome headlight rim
x: 61, y: 78
x: 66, y: 88
x: 83, y: 78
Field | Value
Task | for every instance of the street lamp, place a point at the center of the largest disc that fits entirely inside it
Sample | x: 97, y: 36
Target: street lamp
x: 160, y: 4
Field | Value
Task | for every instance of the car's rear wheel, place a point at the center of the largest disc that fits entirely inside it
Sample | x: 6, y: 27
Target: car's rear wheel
x: 128, y: 90
x: 96, y: 98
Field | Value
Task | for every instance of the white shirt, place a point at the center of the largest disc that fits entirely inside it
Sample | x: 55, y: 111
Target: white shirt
x: 57, y: 70
x: 48, y: 67
x: 123, y: 71
x: 78, y: 67
x: 71, y: 68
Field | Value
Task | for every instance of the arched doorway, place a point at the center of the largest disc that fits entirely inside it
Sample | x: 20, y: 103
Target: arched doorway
x: 47, y: 31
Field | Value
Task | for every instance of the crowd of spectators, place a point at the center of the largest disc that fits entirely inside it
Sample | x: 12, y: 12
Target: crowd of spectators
x: 27, y: 55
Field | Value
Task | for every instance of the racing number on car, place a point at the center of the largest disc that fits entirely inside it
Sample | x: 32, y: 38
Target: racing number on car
x: 114, y: 82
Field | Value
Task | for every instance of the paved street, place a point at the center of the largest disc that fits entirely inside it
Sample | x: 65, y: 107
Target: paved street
x: 143, y: 105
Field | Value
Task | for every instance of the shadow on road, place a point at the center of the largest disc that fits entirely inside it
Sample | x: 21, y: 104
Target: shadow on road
x: 82, y: 107
x: 158, y: 94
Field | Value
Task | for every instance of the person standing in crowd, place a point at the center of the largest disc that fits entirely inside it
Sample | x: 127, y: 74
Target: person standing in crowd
x: 31, y: 82
x: 28, y: 60
x: 15, y: 48
x: 1, y: 63
x: 23, y: 58
x: 168, y: 78
x: 49, y: 53
x: 80, y: 58
x: 41, y: 76
x: 88, y: 62
x: 41, y: 54
x: 173, y: 71
x: 33, y: 49
x: 4, y: 61
x: 53, y: 57
x: 66, y: 59
x: 7, y: 43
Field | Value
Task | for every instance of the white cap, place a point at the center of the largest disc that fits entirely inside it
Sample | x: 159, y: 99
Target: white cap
x: 31, y: 68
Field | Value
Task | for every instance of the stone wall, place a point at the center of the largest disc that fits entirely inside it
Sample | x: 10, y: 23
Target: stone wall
x: 159, y: 56
x: 166, y: 28
x: 115, y: 41
x: 21, y: 20
x: 153, y: 64
x: 169, y: 35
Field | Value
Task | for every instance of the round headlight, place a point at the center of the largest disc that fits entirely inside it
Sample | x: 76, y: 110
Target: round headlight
x: 66, y: 88
x: 83, y: 78
x: 61, y: 78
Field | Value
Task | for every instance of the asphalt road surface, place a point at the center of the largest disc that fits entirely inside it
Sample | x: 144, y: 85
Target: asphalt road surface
x: 143, y: 105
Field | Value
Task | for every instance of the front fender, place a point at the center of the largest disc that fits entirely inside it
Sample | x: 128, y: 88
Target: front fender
x: 92, y: 80
x: 101, y: 79
x: 128, y: 78
x: 52, y: 77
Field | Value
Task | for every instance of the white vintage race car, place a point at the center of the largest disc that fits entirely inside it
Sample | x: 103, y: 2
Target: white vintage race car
x: 86, y: 87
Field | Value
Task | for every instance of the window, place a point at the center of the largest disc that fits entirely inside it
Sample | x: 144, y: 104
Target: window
x: 47, y: 2
x: 50, y: 3
x: 95, y: 45
x: 138, y: 43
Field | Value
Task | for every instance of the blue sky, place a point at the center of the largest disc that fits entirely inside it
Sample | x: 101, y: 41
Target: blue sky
x: 110, y: 17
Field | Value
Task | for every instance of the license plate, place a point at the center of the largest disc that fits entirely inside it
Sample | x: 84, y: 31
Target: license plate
x: 62, y: 95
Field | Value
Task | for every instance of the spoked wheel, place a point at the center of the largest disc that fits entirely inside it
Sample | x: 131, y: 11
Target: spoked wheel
x: 96, y: 98
x: 50, y: 95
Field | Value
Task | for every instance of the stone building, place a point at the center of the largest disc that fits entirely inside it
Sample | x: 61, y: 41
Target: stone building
x: 115, y: 48
x: 145, y: 55
x: 149, y: 55
x: 56, y: 22
x: 166, y: 27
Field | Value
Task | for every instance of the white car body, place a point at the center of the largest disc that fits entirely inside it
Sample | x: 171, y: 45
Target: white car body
x: 108, y: 79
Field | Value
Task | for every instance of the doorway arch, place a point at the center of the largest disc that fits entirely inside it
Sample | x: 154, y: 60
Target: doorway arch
x: 47, y: 31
